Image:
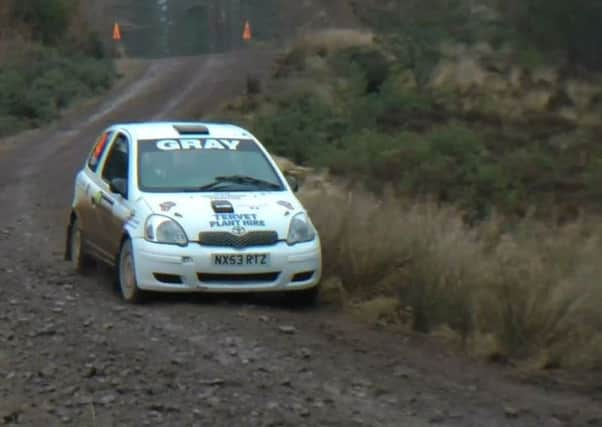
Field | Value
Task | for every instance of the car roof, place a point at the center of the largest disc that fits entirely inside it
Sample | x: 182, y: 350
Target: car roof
x: 164, y: 130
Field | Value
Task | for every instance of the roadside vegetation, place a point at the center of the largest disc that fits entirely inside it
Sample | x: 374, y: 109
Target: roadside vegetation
x: 464, y: 138
x: 49, y: 59
x: 529, y: 295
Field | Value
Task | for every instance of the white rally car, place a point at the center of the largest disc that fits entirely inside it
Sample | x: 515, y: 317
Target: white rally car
x: 181, y: 207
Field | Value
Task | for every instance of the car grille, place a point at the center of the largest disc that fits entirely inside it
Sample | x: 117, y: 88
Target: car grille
x: 253, y: 238
x: 238, y: 278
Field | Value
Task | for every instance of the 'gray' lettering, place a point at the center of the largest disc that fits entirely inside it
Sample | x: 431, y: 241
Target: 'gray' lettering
x: 232, y: 145
x: 212, y: 144
x: 189, y: 144
x: 168, y: 145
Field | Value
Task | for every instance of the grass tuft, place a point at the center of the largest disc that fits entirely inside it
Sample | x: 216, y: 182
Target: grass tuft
x: 320, y: 44
x: 530, y: 292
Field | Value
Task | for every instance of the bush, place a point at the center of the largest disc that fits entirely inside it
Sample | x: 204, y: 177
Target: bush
x: 37, y: 78
x: 373, y: 65
x: 37, y: 84
x: 527, y: 292
x: 537, y: 28
x: 253, y: 85
x: 568, y: 27
x: 48, y: 20
x: 449, y: 163
x: 392, y: 108
x: 403, y: 137
x: 303, y: 129
x: 322, y: 44
x: 346, y: 106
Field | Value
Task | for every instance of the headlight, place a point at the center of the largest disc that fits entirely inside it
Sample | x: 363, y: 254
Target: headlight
x: 301, y: 230
x: 161, y: 229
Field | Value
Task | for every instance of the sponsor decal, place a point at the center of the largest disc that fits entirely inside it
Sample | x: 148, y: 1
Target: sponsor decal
x: 286, y: 204
x: 98, y: 197
x: 251, y: 207
x: 223, y: 196
x: 197, y: 144
x: 231, y: 220
x: 167, y: 206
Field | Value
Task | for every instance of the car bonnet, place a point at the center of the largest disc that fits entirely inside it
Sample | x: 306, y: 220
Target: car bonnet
x: 237, y: 213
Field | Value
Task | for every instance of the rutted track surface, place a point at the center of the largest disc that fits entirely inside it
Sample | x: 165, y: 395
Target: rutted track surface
x: 72, y: 354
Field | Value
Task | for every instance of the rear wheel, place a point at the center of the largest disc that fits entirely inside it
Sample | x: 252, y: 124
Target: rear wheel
x: 81, y: 261
x: 128, y: 285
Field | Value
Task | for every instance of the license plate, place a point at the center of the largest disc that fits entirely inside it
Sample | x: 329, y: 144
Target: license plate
x: 241, y: 260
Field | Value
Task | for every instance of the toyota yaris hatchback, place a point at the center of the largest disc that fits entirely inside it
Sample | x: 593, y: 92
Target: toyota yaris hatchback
x: 182, y: 207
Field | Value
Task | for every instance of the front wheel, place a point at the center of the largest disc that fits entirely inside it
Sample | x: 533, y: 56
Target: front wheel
x: 128, y: 284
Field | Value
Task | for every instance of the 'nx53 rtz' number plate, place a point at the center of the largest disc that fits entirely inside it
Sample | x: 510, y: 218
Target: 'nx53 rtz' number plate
x: 241, y: 259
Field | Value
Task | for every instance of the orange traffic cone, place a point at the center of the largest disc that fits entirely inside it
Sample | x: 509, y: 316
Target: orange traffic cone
x: 247, y: 34
x: 116, y: 32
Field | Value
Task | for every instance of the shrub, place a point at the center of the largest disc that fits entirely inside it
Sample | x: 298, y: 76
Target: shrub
x: 569, y: 27
x: 527, y: 292
x: 10, y: 124
x: 403, y: 137
x: 37, y: 78
x: 303, y: 129
x: 12, y: 85
x: 321, y: 44
x: 48, y: 20
x: 371, y: 62
x: 449, y: 163
x: 38, y: 83
x: 392, y: 108
x: 253, y: 85
x: 349, y: 108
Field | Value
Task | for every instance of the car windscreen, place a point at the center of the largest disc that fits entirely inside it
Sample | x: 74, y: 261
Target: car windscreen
x: 204, y: 165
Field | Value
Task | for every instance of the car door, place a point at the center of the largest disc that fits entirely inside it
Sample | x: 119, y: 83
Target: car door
x: 87, y: 190
x: 114, y: 206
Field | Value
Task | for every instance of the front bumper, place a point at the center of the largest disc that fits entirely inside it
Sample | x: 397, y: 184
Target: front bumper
x: 168, y: 268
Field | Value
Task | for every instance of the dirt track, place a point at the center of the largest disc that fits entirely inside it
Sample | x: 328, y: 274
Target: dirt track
x: 72, y: 354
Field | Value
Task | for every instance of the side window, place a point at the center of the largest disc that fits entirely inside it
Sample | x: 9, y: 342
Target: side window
x: 98, y: 150
x: 117, y: 163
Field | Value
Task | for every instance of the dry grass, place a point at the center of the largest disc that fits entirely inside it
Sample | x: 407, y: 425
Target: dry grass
x: 530, y: 293
x: 311, y: 49
x: 335, y: 39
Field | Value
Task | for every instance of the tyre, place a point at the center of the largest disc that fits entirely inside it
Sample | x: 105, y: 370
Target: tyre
x: 81, y: 261
x: 126, y: 275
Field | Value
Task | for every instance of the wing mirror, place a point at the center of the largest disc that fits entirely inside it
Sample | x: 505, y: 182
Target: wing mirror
x: 119, y: 186
x: 293, y: 183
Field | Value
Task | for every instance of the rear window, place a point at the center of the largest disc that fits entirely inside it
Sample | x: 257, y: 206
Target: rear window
x: 98, y: 150
x: 191, y: 165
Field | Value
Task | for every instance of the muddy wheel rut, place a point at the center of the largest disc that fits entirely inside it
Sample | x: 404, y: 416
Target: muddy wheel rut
x: 72, y: 354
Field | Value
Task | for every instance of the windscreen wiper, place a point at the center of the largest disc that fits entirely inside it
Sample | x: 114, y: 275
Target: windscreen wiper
x: 240, y: 179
